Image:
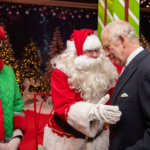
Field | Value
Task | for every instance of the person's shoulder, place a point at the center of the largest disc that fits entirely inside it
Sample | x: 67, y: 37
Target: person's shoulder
x: 7, y: 69
x: 58, y: 73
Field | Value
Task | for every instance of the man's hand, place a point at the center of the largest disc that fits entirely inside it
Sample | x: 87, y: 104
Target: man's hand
x: 105, y: 113
x: 12, y: 145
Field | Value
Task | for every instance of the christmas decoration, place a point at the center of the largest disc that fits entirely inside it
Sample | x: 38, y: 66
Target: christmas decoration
x: 29, y: 68
x: 7, y: 54
x: 109, y: 11
x: 56, y: 48
x: 144, y: 43
x: 27, y: 95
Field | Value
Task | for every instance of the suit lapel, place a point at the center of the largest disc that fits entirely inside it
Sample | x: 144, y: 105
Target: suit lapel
x: 121, y: 82
x: 128, y: 72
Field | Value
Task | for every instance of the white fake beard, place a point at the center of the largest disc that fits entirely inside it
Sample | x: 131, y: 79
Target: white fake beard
x: 94, y: 82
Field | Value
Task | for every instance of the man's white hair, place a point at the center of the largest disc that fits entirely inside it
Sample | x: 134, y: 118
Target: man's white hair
x: 92, y: 83
x: 119, y: 27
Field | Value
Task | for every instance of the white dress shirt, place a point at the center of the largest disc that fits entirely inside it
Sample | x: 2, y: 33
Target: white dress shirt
x: 132, y: 55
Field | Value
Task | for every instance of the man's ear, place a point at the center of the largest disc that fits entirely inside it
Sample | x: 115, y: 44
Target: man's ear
x: 122, y: 39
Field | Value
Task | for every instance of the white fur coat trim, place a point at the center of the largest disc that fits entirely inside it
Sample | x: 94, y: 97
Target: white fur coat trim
x: 54, y: 142
x: 78, y: 118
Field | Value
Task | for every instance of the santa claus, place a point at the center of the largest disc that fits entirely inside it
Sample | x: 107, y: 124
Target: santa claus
x: 80, y: 81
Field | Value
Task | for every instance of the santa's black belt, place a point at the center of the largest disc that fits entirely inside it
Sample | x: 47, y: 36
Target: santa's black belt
x: 65, y: 126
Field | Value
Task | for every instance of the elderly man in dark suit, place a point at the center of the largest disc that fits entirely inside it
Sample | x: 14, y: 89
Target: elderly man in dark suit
x: 132, y: 91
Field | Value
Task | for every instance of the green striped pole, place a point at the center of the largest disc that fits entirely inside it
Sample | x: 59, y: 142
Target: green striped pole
x: 101, y: 10
x: 116, y: 11
x: 134, y: 14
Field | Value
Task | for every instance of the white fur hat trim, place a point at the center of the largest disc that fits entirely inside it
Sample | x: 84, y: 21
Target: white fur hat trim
x: 82, y: 62
x: 92, y: 42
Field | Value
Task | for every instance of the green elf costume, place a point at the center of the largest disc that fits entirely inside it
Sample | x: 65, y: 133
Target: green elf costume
x: 12, y: 118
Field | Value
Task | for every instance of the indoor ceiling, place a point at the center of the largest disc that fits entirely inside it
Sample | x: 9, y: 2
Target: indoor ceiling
x: 83, y: 1
x: 93, y: 4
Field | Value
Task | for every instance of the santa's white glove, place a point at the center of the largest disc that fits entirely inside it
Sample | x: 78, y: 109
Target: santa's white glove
x: 105, y: 113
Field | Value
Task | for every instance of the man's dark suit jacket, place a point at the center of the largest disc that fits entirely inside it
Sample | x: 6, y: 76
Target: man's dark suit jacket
x: 132, y: 132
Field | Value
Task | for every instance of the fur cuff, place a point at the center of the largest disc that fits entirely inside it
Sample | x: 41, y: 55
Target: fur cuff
x: 20, y: 123
x: 81, y: 62
x: 78, y: 118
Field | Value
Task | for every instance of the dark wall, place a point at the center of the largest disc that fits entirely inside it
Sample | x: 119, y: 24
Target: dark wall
x: 38, y: 22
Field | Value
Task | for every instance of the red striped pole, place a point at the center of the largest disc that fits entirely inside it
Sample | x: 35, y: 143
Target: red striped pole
x: 126, y: 10
x: 105, y: 14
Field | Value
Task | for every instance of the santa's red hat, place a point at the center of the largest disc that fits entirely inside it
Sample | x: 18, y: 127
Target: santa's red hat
x: 82, y: 40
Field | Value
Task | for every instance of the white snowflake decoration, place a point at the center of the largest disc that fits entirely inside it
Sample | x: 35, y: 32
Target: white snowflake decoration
x: 54, y: 14
x: 87, y: 16
x: 26, y: 12
x: 79, y: 16
x: 17, y: 12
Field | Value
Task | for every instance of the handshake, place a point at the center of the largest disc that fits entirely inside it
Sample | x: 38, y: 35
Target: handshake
x: 105, y: 113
